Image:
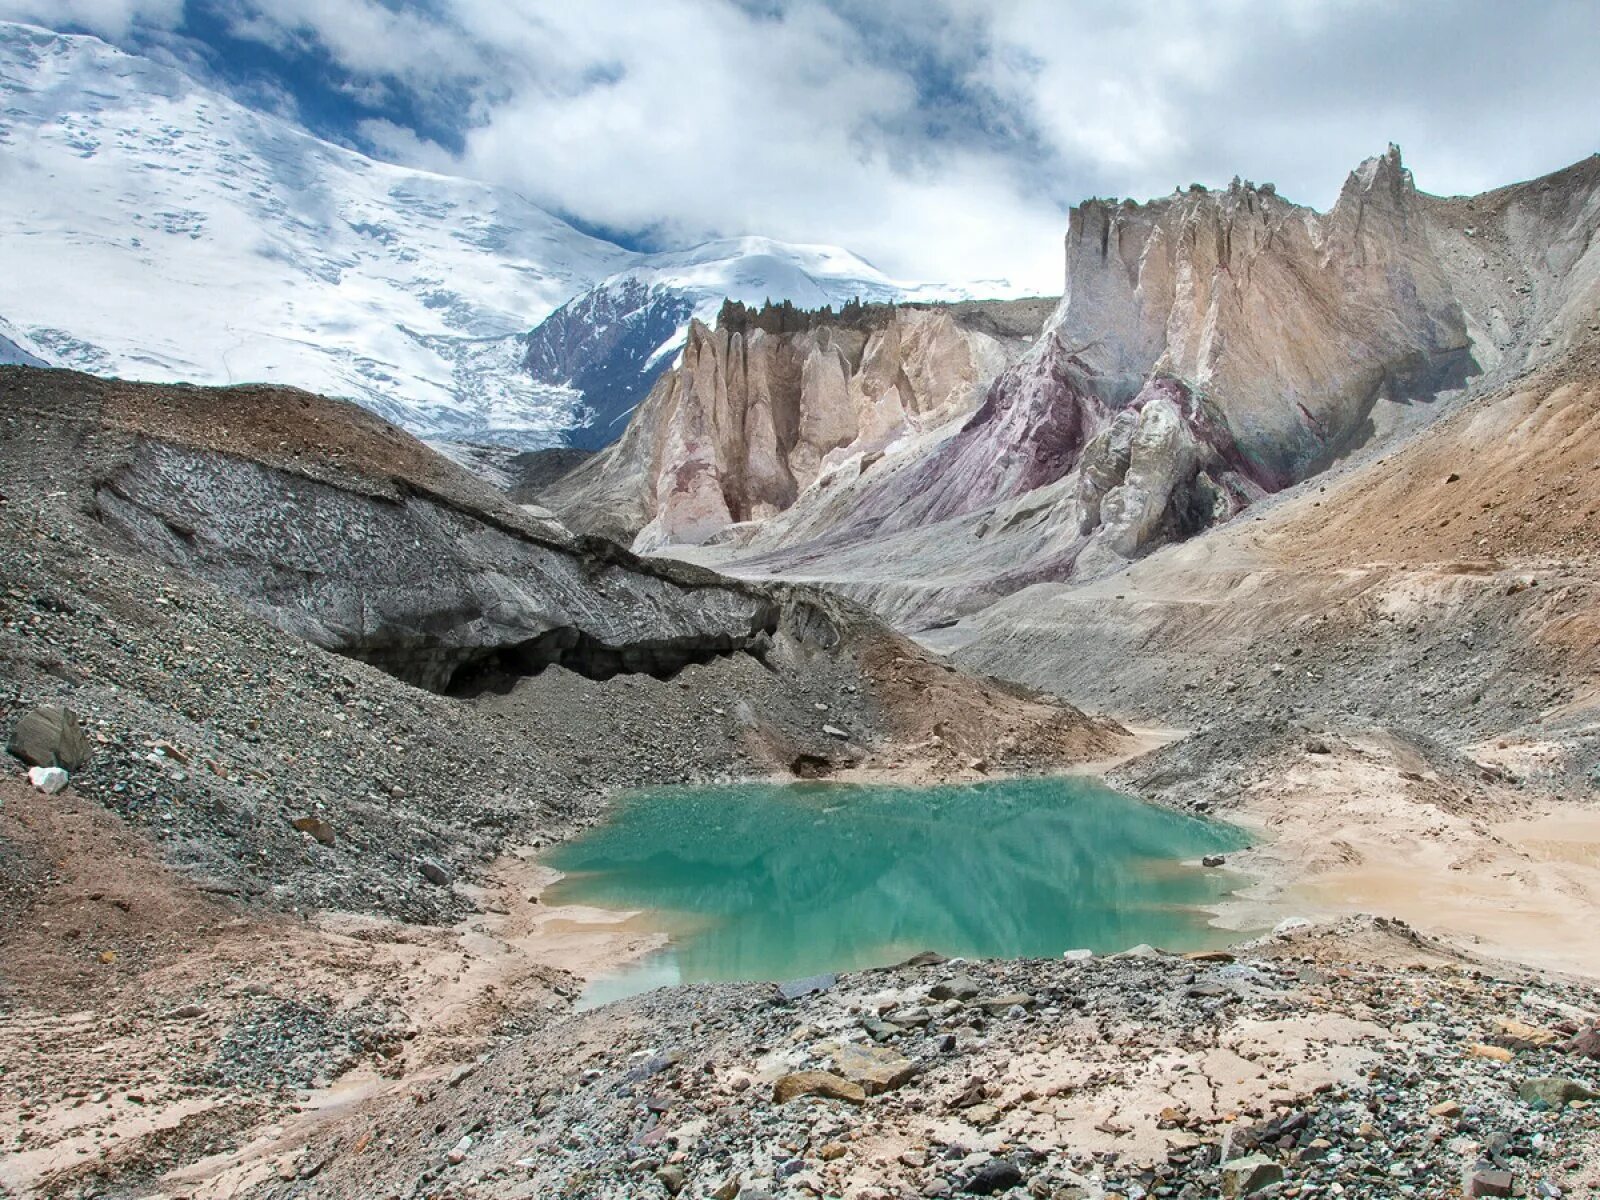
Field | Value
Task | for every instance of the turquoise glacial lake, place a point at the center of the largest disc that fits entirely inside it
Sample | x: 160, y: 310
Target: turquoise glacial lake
x: 775, y: 881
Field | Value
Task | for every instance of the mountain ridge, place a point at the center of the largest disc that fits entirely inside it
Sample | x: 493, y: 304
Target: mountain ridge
x: 1210, y: 348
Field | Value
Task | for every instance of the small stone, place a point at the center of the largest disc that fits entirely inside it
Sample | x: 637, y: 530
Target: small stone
x: 1553, y: 1091
x: 1248, y: 1175
x: 834, y: 731
x: 1497, y: 1053
x: 832, y: 1151
x: 1448, y: 1109
x: 1213, y: 860
x: 817, y: 1083
x: 187, y: 1012
x: 458, y: 1152
x: 728, y: 1190
x: 672, y: 1178
x: 1078, y: 955
x: 981, y: 1114
x: 48, y: 780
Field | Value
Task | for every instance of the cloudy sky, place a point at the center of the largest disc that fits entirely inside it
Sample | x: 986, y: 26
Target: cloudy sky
x: 942, y: 139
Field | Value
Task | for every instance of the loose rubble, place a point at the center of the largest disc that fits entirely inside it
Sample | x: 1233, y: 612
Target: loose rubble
x: 1291, y: 1069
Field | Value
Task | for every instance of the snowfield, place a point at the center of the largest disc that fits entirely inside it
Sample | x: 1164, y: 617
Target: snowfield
x: 153, y: 228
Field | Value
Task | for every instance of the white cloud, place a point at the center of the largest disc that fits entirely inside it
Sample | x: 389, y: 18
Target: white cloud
x: 941, y: 138
x: 108, y: 18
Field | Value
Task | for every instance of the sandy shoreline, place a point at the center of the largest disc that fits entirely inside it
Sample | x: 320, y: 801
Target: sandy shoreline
x: 1358, y: 830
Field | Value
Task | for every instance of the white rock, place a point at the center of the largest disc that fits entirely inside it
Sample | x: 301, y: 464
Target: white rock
x: 48, y: 780
x: 1290, y: 925
x: 1078, y: 955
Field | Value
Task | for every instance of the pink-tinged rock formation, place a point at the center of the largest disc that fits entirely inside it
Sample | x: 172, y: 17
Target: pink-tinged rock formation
x: 751, y: 418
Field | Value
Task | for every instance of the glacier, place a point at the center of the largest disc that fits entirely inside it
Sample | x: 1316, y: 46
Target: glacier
x: 154, y: 228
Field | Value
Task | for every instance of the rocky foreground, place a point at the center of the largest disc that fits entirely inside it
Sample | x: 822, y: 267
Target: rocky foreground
x: 1357, y: 1060
x: 290, y: 700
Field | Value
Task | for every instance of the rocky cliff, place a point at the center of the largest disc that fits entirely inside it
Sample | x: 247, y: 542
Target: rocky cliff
x: 1210, y: 348
x: 754, y: 415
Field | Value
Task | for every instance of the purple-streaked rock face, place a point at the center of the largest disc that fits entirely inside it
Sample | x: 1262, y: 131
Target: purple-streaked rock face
x: 1210, y: 348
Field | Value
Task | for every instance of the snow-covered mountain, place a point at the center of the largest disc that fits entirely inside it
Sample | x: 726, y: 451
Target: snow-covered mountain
x: 153, y: 228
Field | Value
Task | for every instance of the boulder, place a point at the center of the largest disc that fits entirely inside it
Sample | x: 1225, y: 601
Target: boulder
x: 1489, y: 1183
x: 49, y: 736
x: 817, y: 1083
x: 1553, y: 1091
x: 1142, y: 950
x: 996, y: 1005
x: 321, y: 830
x: 996, y: 1175
x: 1586, y: 1043
x: 877, y: 1070
x: 1246, y: 1176
x: 435, y: 873
x: 961, y: 987
x: 1519, y: 1035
